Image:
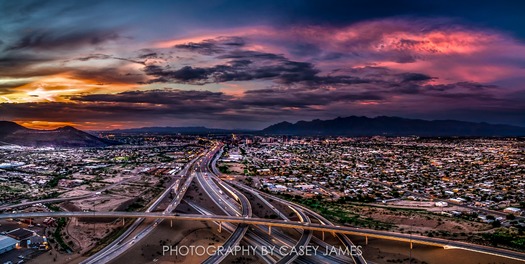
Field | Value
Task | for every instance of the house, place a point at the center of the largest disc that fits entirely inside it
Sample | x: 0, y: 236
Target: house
x: 305, y: 187
x: 512, y: 210
x: 441, y: 204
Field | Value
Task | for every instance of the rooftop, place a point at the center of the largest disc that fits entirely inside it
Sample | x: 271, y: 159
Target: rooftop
x: 20, y: 233
x: 6, y: 241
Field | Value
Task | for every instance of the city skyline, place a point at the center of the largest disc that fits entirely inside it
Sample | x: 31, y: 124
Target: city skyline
x: 229, y: 64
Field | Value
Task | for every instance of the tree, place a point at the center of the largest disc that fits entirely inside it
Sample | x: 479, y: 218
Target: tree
x: 510, y: 217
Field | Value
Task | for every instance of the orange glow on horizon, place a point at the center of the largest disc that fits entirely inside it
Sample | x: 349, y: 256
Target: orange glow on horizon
x: 369, y: 103
x: 50, y: 125
x: 57, y: 88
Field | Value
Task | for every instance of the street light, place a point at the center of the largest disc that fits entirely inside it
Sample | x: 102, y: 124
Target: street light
x: 411, y: 230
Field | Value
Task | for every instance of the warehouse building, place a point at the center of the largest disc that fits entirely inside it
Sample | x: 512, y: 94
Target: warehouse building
x: 7, y: 244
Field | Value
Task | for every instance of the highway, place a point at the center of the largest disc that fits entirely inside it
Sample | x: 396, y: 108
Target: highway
x: 207, y: 180
x: 303, y: 241
x: 438, y: 242
x: 344, y: 239
x: 250, y: 238
x: 260, y: 236
x: 306, y: 234
x: 117, y: 247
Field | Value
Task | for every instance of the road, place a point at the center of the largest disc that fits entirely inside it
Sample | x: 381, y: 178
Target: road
x: 303, y: 241
x: 344, y: 239
x: 212, y: 186
x: 438, y: 242
x: 250, y: 238
x: 306, y: 234
x: 117, y: 247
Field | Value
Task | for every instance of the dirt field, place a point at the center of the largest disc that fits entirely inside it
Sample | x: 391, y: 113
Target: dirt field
x: 85, y: 235
x: 234, y: 168
x: 384, y: 251
x: 101, y: 203
x: 416, y: 221
x: 75, y: 193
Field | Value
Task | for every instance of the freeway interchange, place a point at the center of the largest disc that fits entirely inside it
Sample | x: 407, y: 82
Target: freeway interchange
x: 446, y: 244
x: 238, y: 219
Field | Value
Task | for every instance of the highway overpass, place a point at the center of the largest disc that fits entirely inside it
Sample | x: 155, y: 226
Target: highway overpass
x: 438, y: 242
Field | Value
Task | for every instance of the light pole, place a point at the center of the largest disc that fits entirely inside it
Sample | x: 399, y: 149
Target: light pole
x: 410, y: 256
x: 93, y: 221
x: 411, y: 230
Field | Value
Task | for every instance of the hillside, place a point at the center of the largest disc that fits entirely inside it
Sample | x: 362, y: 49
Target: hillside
x: 391, y: 126
x: 12, y: 133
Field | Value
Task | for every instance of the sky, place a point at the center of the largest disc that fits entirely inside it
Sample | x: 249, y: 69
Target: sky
x: 101, y: 65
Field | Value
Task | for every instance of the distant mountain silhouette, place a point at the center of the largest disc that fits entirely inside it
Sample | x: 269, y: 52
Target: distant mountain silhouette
x: 176, y: 130
x: 391, y: 126
x: 12, y: 133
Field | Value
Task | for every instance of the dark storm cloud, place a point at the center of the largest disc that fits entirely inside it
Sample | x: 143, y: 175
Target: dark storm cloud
x: 9, y: 87
x: 56, y: 40
x: 252, y: 55
x: 95, y: 57
x: 286, y: 72
x: 20, y: 61
x: 108, y: 57
x: 111, y: 112
x: 23, y: 65
x: 246, y: 65
x: 304, y: 98
x: 465, y: 86
x: 414, y: 77
x: 23, y: 10
x: 271, y: 98
x: 166, y: 96
x: 106, y: 75
x: 464, y: 92
x: 130, y: 106
x: 148, y: 55
x: 212, y: 46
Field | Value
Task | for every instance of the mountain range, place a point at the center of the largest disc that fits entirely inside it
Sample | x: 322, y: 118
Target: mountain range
x: 391, y: 126
x: 12, y: 133
x: 355, y: 126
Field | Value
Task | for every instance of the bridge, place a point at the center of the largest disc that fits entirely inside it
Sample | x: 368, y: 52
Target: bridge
x: 409, y: 238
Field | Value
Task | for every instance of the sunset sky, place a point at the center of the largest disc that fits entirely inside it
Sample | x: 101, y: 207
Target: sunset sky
x: 248, y: 64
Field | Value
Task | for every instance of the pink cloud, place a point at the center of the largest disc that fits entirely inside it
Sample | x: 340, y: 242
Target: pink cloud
x: 450, y: 53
